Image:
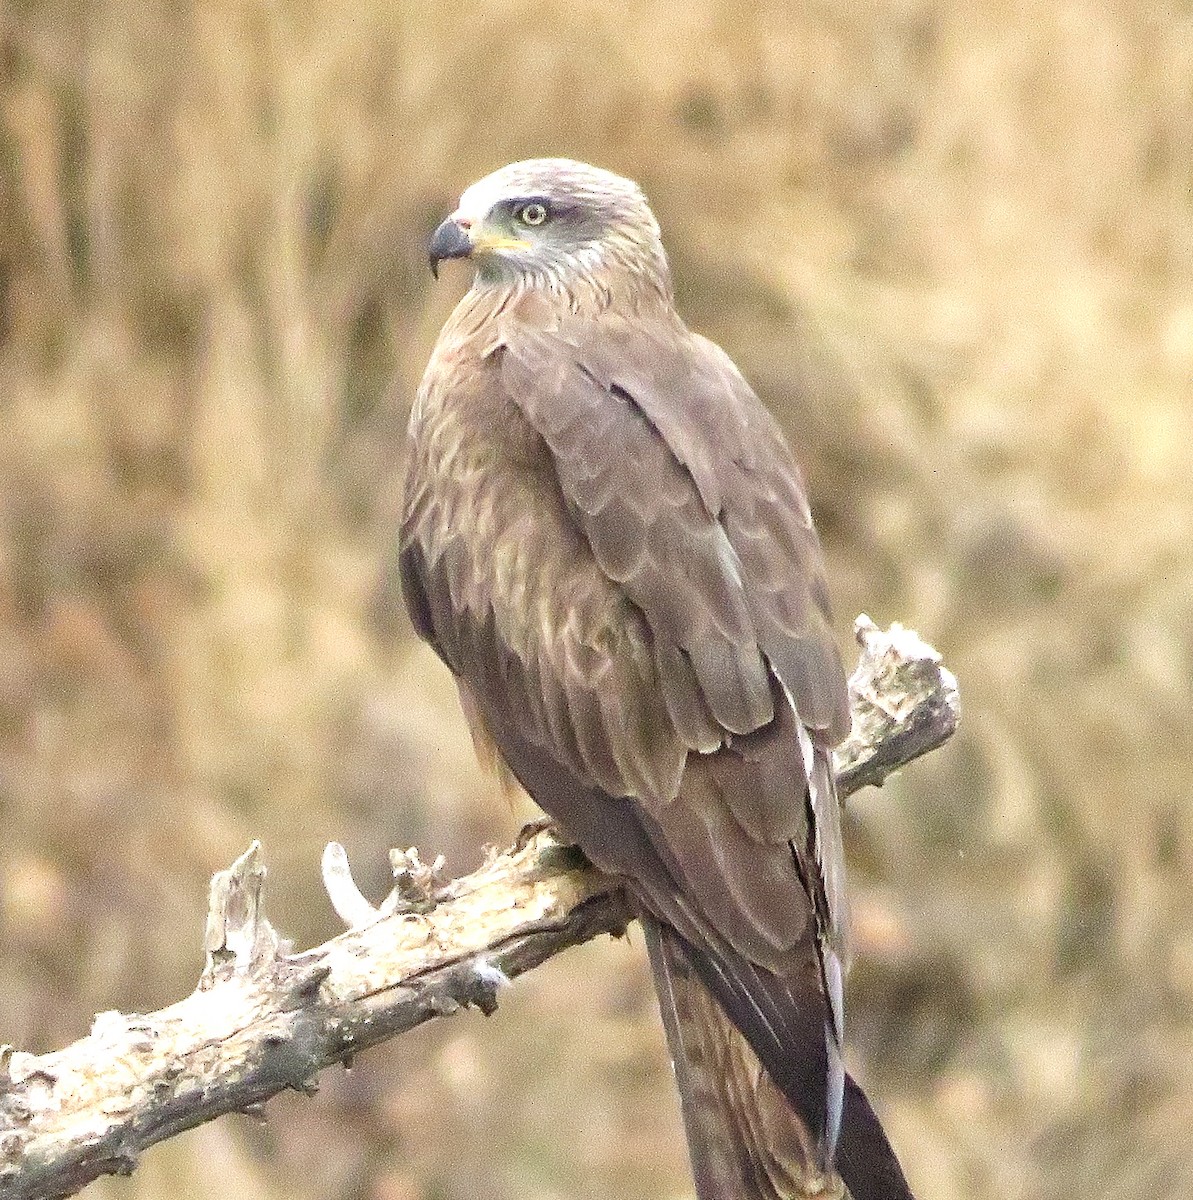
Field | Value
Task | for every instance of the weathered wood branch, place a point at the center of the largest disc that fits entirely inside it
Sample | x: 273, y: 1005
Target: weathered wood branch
x: 263, y: 1020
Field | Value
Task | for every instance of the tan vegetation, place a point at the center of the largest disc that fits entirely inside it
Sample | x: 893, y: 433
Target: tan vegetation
x: 951, y: 244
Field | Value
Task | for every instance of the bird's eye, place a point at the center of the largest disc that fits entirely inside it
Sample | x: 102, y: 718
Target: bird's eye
x: 533, y: 213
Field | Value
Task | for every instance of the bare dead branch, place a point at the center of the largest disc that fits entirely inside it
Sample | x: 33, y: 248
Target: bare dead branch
x: 263, y: 1019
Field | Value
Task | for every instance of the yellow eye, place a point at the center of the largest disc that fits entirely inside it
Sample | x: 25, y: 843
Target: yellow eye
x: 532, y: 214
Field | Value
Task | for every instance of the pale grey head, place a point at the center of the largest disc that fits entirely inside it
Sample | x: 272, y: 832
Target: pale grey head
x: 557, y: 224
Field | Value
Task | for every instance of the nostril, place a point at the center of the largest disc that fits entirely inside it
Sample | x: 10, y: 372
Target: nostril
x: 464, y: 222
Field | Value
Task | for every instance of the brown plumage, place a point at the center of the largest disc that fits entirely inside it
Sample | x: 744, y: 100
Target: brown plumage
x: 606, y: 540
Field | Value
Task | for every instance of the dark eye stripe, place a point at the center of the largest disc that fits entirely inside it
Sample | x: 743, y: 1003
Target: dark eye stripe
x: 555, y: 208
x: 545, y: 201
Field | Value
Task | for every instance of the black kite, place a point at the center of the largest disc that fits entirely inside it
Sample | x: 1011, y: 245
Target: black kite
x: 606, y: 540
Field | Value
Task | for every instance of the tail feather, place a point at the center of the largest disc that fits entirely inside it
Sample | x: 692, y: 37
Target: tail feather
x: 740, y: 1145
x: 746, y: 1138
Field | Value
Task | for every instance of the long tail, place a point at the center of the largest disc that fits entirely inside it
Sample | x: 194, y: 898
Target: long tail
x: 745, y: 1140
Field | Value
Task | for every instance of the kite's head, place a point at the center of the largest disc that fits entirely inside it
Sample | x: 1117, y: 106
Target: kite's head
x: 552, y: 221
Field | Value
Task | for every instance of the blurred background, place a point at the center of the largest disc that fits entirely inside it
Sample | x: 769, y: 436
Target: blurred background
x: 951, y: 243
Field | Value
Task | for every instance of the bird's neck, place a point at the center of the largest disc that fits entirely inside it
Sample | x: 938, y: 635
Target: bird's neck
x: 579, y: 293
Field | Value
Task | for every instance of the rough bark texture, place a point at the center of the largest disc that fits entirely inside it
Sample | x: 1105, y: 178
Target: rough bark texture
x: 262, y: 1020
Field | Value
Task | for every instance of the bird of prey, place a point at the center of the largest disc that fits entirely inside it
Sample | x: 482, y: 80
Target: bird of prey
x: 605, y: 538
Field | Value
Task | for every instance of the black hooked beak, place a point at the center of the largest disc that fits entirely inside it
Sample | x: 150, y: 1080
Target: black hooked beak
x: 450, y: 240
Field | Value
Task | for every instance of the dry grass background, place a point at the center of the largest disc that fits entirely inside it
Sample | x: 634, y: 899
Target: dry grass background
x: 952, y: 244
